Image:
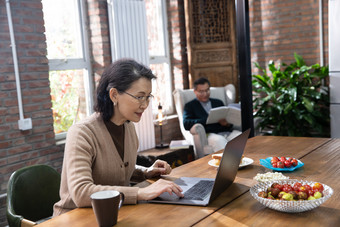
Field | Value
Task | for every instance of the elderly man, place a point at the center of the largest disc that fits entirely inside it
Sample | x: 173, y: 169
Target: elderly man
x: 196, y: 111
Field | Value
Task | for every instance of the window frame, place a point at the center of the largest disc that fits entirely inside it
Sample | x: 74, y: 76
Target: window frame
x: 78, y: 63
x: 160, y: 59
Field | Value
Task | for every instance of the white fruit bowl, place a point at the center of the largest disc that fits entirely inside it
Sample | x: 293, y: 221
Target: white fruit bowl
x: 289, y: 206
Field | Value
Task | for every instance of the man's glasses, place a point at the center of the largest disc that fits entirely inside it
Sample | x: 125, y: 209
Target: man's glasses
x: 201, y: 92
x: 140, y: 99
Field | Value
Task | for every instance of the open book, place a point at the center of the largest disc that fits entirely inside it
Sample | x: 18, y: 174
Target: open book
x: 231, y: 114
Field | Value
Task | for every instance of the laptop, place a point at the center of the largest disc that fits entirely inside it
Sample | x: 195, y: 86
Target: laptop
x: 202, y: 191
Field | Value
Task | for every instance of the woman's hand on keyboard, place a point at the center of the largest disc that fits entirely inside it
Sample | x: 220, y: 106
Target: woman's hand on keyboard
x: 156, y: 189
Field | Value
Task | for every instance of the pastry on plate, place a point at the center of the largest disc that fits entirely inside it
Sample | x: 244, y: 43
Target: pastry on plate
x: 217, y: 158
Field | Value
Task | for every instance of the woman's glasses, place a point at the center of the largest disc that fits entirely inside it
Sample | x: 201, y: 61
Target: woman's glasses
x: 140, y: 99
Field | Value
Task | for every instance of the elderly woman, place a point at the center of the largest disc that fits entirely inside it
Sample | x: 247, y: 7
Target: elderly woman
x: 100, y: 152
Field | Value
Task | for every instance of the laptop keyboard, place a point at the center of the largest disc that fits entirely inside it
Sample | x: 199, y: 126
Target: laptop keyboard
x: 199, y: 191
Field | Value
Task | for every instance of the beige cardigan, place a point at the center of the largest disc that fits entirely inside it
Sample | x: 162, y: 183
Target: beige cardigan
x: 92, y: 163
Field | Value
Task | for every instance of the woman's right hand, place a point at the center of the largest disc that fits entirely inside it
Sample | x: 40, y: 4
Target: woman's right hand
x: 156, y: 189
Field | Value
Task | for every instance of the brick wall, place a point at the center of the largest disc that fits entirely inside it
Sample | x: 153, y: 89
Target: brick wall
x: 22, y: 148
x: 99, y: 36
x: 280, y: 28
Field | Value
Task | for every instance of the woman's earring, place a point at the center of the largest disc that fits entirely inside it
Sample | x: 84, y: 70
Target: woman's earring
x: 114, y: 104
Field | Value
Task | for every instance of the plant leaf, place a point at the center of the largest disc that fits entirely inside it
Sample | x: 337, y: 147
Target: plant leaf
x: 294, y: 101
x: 299, y: 61
x: 308, y: 104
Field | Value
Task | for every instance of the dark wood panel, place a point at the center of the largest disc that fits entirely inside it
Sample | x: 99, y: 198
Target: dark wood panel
x: 211, y: 41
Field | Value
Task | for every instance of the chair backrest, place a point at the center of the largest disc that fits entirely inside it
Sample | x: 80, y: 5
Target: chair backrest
x: 31, y: 193
x: 227, y: 94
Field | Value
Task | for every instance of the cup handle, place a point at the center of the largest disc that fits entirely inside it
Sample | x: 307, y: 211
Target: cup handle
x: 122, y: 197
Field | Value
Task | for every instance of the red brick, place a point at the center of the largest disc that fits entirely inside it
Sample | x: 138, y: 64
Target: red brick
x: 50, y: 135
x: 44, y: 113
x: 37, y: 68
x: 24, y: 28
x: 47, y: 105
x: 40, y: 160
x: 37, y: 84
x: 33, y: 108
x: 13, y: 110
x: 34, y: 21
x: 47, y: 152
x: 26, y: 100
x: 19, y: 149
x: 28, y: 60
x: 43, y: 60
x: 3, y: 161
x: 31, y: 92
x: 13, y: 159
x: 5, y: 144
x: 11, y: 168
x: 3, y: 111
x: 41, y: 99
x: 42, y: 129
x: 35, y: 138
x: 37, y: 53
x: 4, y: 128
x: 57, y: 156
x: 43, y: 121
x: 18, y: 142
x: 11, y: 119
x: 10, y: 77
x: 29, y: 155
x: 31, y: 4
x: 8, y: 86
x: 35, y: 37
x: 24, y: 11
x: 26, y: 45
x: 45, y: 91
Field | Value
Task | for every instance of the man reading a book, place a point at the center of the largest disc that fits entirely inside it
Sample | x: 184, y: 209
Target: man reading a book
x: 197, y: 110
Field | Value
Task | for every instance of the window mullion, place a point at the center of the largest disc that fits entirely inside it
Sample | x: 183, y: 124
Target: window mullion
x: 66, y: 64
x: 158, y: 59
x: 88, y: 80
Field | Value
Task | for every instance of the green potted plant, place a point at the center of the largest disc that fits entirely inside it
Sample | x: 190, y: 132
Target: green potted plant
x: 293, y: 100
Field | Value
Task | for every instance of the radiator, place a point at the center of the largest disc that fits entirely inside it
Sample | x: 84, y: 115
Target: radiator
x: 128, y: 38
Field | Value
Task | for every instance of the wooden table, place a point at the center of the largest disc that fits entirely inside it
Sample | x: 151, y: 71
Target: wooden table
x: 235, y: 206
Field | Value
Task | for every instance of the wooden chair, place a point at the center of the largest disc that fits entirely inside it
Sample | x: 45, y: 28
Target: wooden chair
x: 31, y: 194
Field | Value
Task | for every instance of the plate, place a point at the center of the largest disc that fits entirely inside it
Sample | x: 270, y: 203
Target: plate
x: 266, y: 163
x: 289, y: 206
x: 245, y: 162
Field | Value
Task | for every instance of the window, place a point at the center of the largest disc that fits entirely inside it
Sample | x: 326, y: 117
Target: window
x: 70, y: 68
x: 159, y: 54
